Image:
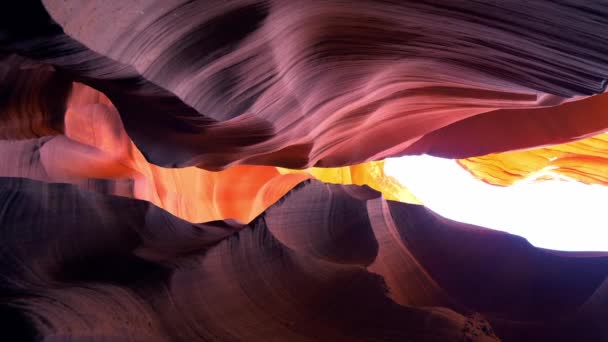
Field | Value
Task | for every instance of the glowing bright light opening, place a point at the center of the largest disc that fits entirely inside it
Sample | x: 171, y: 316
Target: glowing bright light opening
x: 558, y: 215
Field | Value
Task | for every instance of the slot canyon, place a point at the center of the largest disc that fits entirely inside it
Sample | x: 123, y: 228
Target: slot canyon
x: 303, y: 170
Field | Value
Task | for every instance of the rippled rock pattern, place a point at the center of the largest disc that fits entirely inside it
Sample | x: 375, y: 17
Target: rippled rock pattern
x: 116, y: 115
x: 585, y: 161
x: 94, y: 152
x: 102, y: 158
x: 327, y: 262
x: 288, y: 83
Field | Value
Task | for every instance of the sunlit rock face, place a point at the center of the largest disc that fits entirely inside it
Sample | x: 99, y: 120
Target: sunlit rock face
x: 103, y: 158
x: 585, y: 161
x: 136, y: 105
x: 371, y: 174
x: 95, y: 153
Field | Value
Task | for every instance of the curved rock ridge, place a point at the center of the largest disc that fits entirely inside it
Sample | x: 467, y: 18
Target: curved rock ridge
x: 585, y: 161
x: 508, y: 130
x: 304, y: 83
x: 325, y: 263
x: 370, y: 174
x: 91, y: 149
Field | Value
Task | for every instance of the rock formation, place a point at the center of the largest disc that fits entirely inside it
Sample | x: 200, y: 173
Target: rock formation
x: 102, y: 158
x: 327, y: 262
x: 585, y: 161
x: 133, y: 134
x: 371, y: 174
x: 281, y: 89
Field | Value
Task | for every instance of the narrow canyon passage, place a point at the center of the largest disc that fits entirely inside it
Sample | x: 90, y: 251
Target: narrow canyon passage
x: 290, y: 170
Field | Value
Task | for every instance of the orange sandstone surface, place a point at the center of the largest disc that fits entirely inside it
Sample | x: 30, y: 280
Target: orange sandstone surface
x: 585, y: 161
x: 96, y: 146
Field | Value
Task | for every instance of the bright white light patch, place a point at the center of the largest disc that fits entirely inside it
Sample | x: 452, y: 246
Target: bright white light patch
x: 557, y: 215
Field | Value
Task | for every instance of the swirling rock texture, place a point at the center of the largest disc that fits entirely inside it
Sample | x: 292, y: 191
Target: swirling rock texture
x: 585, y: 161
x: 328, y: 262
x: 128, y: 98
x: 293, y: 79
x: 93, y: 151
x: 103, y: 158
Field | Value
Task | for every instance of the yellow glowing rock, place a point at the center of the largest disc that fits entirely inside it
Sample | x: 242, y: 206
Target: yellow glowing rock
x: 584, y: 160
x: 370, y: 174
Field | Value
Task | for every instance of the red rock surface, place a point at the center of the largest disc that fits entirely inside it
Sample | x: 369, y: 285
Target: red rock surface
x: 95, y: 153
x: 103, y: 158
x: 227, y: 84
x: 292, y: 80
